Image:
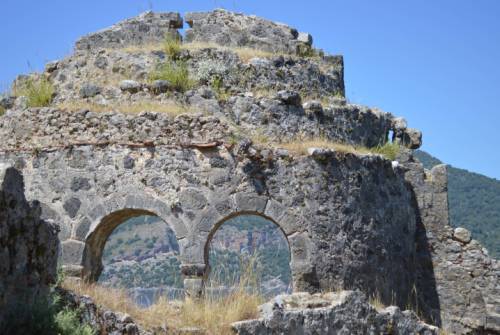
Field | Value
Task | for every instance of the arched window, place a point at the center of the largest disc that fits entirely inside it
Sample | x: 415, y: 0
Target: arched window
x: 138, y: 253
x: 248, y: 250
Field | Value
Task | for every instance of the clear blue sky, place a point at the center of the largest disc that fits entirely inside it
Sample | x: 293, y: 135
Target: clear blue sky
x: 435, y: 62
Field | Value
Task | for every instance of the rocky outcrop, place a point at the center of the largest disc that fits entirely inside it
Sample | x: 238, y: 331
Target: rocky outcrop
x: 239, y: 30
x: 28, y: 247
x: 345, y: 312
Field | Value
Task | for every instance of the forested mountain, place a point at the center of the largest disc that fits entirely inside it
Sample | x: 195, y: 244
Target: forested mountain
x: 474, y: 202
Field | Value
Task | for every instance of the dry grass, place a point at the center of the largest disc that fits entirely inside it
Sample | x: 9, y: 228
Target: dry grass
x: 300, y: 147
x: 170, y: 108
x: 215, y: 314
x: 38, y: 90
x: 244, y: 53
x: 376, y: 301
x: 212, y: 314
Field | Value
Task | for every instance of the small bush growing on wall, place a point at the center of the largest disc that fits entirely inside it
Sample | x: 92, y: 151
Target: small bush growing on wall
x: 39, y: 91
x: 175, y: 72
x: 172, y: 46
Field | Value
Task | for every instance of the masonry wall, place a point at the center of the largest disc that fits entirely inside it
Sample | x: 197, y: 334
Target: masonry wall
x: 457, y: 282
x: 346, y: 217
x: 28, y: 247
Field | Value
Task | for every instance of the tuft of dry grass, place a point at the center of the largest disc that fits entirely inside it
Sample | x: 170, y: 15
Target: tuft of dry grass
x: 301, y: 147
x: 170, y: 108
x: 376, y: 301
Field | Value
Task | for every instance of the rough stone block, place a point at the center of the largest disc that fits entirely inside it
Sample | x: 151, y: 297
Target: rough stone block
x: 250, y: 202
x: 81, y: 229
x: 72, y: 252
x: 462, y: 235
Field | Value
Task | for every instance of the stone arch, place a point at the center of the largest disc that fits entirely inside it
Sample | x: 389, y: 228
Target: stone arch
x: 290, y: 221
x: 221, y: 222
x: 108, y: 215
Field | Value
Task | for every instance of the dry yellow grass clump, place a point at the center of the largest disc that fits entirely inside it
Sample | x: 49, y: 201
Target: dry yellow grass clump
x: 300, y: 147
x: 244, y: 53
x: 170, y: 108
x: 215, y: 315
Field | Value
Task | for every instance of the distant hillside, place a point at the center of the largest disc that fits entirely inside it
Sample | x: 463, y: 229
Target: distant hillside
x: 474, y: 203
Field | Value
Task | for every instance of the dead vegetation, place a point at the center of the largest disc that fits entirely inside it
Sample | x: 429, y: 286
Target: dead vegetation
x: 213, y: 313
x: 244, y: 53
x: 301, y: 146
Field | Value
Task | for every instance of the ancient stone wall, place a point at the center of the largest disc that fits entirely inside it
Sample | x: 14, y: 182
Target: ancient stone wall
x: 352, y: 221
x: 147, y: 28
x: 344, y: 312
x: 347, y: 218
x: 239, y: 30
x: 28, y: 247
x: 458, y: 283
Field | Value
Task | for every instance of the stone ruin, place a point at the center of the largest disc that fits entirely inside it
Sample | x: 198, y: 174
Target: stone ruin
x: 353, y: 221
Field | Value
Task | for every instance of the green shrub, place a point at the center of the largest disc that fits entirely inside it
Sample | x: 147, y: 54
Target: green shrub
x: 172, y: 46
x: 175, y: 72
x: 68, y: 323
x: 389, y: 150
x: 2, y: 111
x: 39, y: 91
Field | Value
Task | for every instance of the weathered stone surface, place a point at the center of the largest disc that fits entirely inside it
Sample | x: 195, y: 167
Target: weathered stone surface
x: 457, y: 281
x: 289, y: 97
x: 345, y: 312
x: 72, y: 205
x: 148, y: 27
x: 462, y: 235
x: 89, y: 90
x: 233, y: 29
x: 130, y: 86
x: 28, y: 247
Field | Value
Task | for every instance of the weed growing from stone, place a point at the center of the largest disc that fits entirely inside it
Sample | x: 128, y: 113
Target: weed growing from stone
x: 175, y: 72
x: 172, y: 46
x: 39, y: 91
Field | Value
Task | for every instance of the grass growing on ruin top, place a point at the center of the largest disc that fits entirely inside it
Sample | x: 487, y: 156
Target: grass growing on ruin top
x: 171, y: 47
x: 301, y: 147
x: 39, y: 91
x: 170, y: 108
